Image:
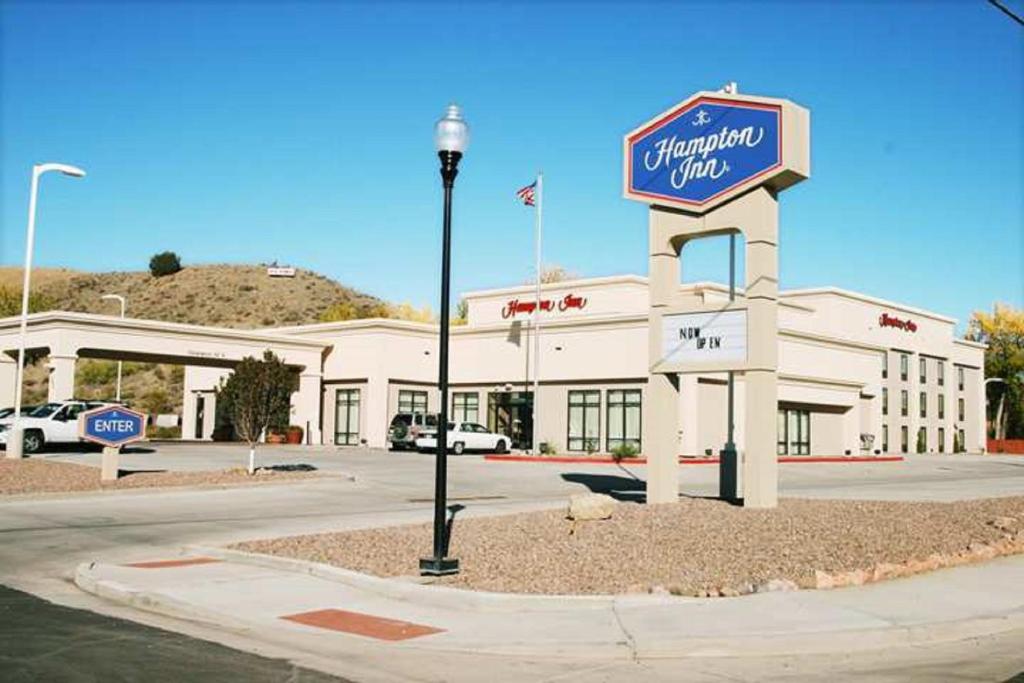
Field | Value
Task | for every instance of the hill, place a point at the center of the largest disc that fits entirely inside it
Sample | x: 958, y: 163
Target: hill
x: 236, y: 296
x: 221, y: 295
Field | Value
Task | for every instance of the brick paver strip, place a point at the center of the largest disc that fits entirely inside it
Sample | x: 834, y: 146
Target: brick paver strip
x: 362, y: 624
x: 162, y: 564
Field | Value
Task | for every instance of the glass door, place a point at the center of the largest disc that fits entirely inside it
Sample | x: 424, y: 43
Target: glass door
x: 511, y: 413
x: 346, y: 417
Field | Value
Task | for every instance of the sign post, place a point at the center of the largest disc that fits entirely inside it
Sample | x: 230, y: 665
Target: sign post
x: 713, y: 165
x: 113, y: 427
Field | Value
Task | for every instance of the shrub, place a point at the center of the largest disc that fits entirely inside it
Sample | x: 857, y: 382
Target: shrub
x: 921, y: 446
x: 10, y: 302
x: 548, y: 448
x: 625, y: 450
x: 92, y: 373
x: 164, y: 263
x: 155, y: 432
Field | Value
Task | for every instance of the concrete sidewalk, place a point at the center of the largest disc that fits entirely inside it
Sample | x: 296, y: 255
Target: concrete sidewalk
x: 327, y: 612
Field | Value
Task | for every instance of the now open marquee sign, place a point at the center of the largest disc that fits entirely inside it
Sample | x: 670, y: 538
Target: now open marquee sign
x: 714, y: 146
x: 112, y: 425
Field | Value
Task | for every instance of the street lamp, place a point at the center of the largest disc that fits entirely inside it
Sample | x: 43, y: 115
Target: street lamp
x: 14, y: 440
x: 451, y: 137
x: 117, y: 297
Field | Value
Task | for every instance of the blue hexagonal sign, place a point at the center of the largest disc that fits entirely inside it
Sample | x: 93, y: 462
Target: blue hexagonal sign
x: 112, y: 425
x: 707, y: 150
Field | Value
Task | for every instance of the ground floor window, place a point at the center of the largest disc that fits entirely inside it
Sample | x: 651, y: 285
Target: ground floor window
x: 942, y: 439
x: 904, y: 439
x: 412, y: 401
x: 623, y: 418
x: 346, y: 417
x: 584, y: 421
x: 794, y: 432
x: 466, y: 406
x: 962, y: 440
x: 922, y: 440
x: 885, y: 438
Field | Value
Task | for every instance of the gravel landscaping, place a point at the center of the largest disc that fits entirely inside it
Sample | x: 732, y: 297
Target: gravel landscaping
x: 46, y: 476
x: 695, y: 547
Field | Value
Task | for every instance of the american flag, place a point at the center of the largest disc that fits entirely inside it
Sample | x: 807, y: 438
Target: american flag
x: 526, y: 193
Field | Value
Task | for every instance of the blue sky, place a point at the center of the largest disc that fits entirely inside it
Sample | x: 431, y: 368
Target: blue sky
x: 233, y: 132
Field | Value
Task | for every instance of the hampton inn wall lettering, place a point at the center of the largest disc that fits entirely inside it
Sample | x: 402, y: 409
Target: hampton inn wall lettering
x: 514, y: 307
x: 886, y: 320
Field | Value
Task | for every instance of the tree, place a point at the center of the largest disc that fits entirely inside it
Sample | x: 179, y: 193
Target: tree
x: 552, y: 273
x: 461, y: 313
x: 10, y: 302
x: 1003, y: 331
x: 350, y: 310
x: 164, y: 263
x: 256, y: 398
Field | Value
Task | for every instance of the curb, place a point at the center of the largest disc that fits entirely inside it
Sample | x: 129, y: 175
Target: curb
x: 683, y: 460
x: 623, y: 648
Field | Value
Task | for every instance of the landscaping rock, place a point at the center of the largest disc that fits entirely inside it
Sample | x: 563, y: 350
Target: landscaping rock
x: 1005, y: 523
x: 776, y: 585
x: 590, y: 506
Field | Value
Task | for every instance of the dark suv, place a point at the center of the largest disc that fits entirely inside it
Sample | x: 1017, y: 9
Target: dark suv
x: 407, y: 427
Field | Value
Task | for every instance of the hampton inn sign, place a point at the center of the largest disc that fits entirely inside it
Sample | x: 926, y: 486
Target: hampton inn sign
x: 713, y: 165
x: 568, y: 302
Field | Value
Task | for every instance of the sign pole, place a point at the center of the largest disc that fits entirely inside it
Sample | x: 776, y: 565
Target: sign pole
x: 727, y: 460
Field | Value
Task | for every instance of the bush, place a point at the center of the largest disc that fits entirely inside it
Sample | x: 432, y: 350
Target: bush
x: 625, y: 450
x: 164, y: 263
x: 10, y: 302
x: 548, y: 448
x: 155, y: 432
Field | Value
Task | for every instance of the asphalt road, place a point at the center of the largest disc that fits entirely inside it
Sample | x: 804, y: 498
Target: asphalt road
x: 41, y: 641
x: 42, y: 539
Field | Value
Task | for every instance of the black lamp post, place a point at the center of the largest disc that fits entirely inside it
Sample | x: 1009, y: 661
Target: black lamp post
x: 451, y: 137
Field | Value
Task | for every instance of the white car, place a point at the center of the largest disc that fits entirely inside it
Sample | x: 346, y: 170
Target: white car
x: 467, y: 436
x: 49, y: 423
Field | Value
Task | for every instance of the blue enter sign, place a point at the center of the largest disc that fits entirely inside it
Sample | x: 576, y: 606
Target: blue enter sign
x: 112, y: 425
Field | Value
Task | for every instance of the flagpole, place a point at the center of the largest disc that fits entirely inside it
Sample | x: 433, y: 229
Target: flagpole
x: 536, y: 317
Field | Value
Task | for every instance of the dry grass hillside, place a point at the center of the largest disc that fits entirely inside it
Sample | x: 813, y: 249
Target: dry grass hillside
x: 220, y: 295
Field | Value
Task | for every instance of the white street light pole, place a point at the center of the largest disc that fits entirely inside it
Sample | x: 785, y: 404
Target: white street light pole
x: 117, y: 297
x: 14, y: 441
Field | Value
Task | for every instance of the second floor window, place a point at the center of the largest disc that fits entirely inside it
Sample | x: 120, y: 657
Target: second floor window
x: 904, y: 403
x: 941, y: 373
x: 904, y: 366
x: 885, y: 401
x: 924, y: 404
x: 923, y: 365
x: 960, y: 409
x: 942, y: 407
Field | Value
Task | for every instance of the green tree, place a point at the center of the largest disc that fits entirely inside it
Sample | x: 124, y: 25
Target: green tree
x: 350, y: 310
x: 256, y: 398
x: 164, y: 263
x: 1003, y: 332
x: 10, y: 302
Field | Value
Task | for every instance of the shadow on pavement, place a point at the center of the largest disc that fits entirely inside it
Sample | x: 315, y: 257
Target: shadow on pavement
x: 629, y: 489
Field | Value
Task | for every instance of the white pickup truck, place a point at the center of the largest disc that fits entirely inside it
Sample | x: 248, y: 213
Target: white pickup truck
x: 49, y: 423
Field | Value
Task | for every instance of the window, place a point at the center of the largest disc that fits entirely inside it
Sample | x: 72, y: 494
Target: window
x: 960, y: 409
x: 794, y: 432
x: 942, y: 406
x: 963, y: 441
x: 960, y: 378
x: 940, y: 372
x: 412, y: 401
x: 885, y: 365
x: 924, y: 404
x: 346, y: 417
x: 465, y: 406
x: 904, y: 403
x: 623, y: 418
x: 885, y: 401
x: 584, y: 421
x: 904, y: 439
x: 942, y: 440
x: 922, y: 440
x: 885, y: 438
x: 923, y: 365
x: 904, y: 366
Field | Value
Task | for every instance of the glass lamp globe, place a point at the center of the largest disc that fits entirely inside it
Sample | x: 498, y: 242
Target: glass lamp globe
x: 451, y: 133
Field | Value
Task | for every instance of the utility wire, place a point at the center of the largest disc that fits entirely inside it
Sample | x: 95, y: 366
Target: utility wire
x: 1006, y: 10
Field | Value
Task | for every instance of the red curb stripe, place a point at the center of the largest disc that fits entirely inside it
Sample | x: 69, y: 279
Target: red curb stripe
x: 362, y: 624
x: 689, y: 461
x: 162, y: 564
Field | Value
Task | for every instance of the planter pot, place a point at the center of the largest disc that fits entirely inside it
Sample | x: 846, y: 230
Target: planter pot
x: 275, y: 438
x: 294, y: 436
